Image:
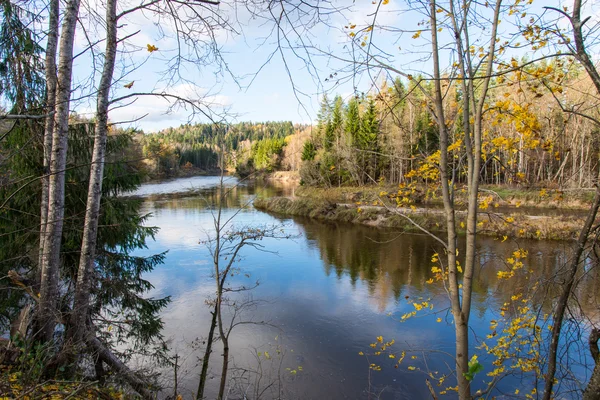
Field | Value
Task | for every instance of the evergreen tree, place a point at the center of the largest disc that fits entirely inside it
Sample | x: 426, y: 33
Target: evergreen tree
x: 368, y: 143
x: 118, y: 284
x: 353, y: 121
x: 308, y: 151
x: 21, y: 67
x: 323, y: 116
x: 337, y: 121
x: 329, y: 137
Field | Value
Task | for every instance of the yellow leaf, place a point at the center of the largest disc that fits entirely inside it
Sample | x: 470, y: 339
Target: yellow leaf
x: 151, y: 48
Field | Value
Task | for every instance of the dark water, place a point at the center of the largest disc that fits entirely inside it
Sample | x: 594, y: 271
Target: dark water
x: 323, y: 297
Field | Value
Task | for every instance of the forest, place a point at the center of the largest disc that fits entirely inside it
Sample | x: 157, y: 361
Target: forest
x: 529, y: 140
x: 246, y: 146
x: 452, y: 101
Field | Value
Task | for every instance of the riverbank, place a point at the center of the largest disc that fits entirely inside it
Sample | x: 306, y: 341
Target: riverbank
x: 287, y: 177
x: 521, y: 200
x: 345, y: 205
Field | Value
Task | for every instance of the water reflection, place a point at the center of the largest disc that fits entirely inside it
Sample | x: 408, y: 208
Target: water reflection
x: 329, y: 292
x: 391, y: 262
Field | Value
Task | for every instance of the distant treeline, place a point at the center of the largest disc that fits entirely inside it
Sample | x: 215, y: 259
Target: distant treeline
x: 246, y: 146
x: 389, y: 135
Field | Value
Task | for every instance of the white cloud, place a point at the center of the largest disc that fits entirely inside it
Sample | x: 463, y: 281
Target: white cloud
x: 168, y: 111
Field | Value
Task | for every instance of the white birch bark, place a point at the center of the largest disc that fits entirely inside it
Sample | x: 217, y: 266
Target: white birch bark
x: 50, y: 73
x: 50, y: 266
x: 90, y: 229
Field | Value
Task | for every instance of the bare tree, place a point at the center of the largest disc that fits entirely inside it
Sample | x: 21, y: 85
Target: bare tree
x: 578, y: 49
x: 225, y: 245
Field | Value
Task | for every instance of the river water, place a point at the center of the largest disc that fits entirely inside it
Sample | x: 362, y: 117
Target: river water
x: 323, y: 297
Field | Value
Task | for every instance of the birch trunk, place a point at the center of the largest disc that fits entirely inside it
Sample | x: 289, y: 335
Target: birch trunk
x: 51, y: 45
x: 50, y: 266
x: 90, y: 229
x: 461, y: 329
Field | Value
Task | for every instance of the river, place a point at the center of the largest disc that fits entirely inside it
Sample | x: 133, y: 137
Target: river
x: 323, y: 297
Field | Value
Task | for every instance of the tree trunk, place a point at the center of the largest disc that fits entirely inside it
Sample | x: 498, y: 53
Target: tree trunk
x: 461, y: 329
x: 90, y: 229
x: 224, y: 369
x: 118, y: 366
x: 50, y: 267
x: 52, y: 41
x: 206, y: 359
x: 561, y: 306
x: 592, y: 391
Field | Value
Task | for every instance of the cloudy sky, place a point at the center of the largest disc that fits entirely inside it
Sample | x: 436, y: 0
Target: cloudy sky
x: 253, y: 79
x: 248, y: 77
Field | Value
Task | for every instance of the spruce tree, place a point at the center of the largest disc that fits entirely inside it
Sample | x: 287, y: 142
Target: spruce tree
x: 118, y: 285
x: 369, y: 136
x: 353, y: 121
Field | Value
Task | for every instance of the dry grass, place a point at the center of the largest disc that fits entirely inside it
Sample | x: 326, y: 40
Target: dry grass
x: 499, y: 225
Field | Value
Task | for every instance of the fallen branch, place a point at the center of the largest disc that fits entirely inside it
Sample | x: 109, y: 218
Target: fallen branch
x: 104, y: 353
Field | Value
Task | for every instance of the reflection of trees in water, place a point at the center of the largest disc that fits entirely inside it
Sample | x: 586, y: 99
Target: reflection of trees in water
x: 389, y: 263
x: 237, y: 197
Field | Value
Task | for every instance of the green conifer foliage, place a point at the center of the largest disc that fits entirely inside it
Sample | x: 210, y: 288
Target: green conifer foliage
x: 119, y: 285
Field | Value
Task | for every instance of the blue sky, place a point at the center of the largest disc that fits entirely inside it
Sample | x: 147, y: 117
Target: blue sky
x: 270, y: 95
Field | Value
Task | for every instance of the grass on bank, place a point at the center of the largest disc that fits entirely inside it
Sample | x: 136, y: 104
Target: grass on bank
x: 502, y: 226
x: 546, y: 198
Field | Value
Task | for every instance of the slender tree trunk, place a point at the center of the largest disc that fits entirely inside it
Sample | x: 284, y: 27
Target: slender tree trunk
x: 567, y: 285
x: 461, y: 329
x: 90, y: 229
x: 51, y: 44
x: 567, y: 288
x: 474, y: 173
x: 225, y: 368
x: 207, y: 353
x: 592, y: 391
x: 50, y: 268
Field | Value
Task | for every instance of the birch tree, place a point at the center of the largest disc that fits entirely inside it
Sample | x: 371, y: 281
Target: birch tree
x: 90, y: 228
x: 47, y: 314
x: 51, y: 43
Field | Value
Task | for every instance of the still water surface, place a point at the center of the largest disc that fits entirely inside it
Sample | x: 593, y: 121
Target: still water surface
x: 324, y: 296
